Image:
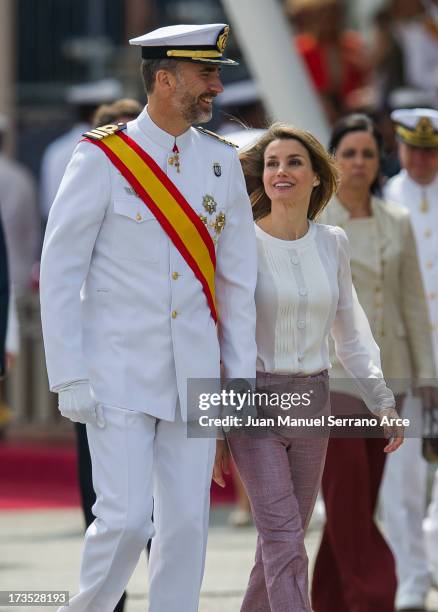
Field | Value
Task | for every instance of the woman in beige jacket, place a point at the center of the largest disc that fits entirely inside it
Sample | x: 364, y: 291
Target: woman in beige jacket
x: 354, y: 569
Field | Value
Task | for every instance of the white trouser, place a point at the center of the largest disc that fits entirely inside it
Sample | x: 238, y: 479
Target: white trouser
x: 403, y: 499
x: 430, y: 529
x: 137, y: 458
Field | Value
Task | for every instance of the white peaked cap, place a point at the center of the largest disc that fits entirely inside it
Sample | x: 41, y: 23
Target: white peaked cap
x: 239, y: 92
x: 417, y: 127
x: 96, y: 92
x: 197, y: 43
x: 410, y: 116
x: 245, y: 138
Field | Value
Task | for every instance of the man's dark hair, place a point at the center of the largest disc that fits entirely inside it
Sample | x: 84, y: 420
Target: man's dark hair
x: 149, y: 69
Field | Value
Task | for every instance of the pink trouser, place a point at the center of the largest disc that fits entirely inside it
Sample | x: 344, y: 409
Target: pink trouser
x: 282, y: 475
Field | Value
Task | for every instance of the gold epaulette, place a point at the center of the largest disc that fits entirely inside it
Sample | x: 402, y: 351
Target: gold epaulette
x: 209, y: 133
x: 105, y: 130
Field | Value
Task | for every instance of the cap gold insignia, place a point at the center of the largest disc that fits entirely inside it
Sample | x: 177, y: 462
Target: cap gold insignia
x: 424, y: 127
x: 217, y: 169
x: 222, y: 39
x: 208, y: 202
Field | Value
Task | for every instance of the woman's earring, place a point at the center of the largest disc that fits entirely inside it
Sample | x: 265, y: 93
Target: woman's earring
x: 316, y: 182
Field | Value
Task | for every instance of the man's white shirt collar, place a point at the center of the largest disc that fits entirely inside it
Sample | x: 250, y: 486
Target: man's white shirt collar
x: 159, y: 136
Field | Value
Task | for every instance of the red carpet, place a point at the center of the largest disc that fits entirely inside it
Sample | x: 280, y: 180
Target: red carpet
x: 33, y: 476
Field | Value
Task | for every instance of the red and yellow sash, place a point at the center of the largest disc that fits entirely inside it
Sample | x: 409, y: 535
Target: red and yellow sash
x: 175, y: 215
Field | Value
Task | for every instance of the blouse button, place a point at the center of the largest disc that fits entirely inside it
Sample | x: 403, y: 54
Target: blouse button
x: 301, y: 324
x: 303, y: 291
x: 295, y: 260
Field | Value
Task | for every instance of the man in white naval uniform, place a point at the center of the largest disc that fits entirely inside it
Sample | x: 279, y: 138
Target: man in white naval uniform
x: 404, y: 486
x: 85, y: 98
x: 126, y: 323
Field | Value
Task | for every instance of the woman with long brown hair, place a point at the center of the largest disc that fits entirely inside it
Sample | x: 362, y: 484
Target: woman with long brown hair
x: 304, y: 291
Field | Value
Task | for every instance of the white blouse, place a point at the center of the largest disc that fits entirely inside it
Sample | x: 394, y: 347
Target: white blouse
x: 304, y: 292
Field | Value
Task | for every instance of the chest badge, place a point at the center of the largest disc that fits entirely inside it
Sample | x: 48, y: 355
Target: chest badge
x: 130, y: 191
x: 217, y: 169
x: 219, y: 223
x: 209, y: 204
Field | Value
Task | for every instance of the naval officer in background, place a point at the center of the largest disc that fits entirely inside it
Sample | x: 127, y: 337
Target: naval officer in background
x: 130, y: 296
x: 405, y: 481
x: 84, y: 98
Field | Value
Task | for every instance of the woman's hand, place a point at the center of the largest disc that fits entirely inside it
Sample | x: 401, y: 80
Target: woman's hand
x: 394, y: 430
x: 221, y: 462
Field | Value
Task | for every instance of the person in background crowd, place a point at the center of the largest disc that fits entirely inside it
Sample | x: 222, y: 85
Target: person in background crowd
x: 337, y: 59
x: 387, y: 278
x: 405, y: 48
x: 416, y: 29
x: 240, y: 107
x: 404, y: 489
x: 137, y: 256
x: 120, y: 111
x: 304, y: 291
x: 19, y: 212
x: 84, y: 98
x: 22, y: 233
x: 4, y: 300
x: 404, y: 97
x: 386, y: 56
x: 123, y: 110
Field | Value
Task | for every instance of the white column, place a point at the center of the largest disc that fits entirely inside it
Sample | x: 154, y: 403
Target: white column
x: 264, y: 36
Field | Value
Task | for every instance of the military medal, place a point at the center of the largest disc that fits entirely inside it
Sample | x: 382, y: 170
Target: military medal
x: 175, y: 159
x: 217, y: 169
x: 219, y: 223
x: 208, y: 202
x: 203, y: 219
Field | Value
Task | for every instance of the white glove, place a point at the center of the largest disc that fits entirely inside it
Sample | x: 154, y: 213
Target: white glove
x: 77, y: 404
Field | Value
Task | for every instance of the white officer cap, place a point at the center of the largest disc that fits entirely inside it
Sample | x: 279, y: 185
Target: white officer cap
x: 194, y: 43
x: 418, y: 127
x: 96, y: 92
x: 243, y: 139
x: 239, y: 92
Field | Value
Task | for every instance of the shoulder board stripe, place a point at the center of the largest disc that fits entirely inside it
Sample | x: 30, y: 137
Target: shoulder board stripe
x: 214, y: 135
x: 103, y: 131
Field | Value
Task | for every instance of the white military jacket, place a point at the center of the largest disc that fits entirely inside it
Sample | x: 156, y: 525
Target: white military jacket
x: 119, y: 304
x: 422, y: 203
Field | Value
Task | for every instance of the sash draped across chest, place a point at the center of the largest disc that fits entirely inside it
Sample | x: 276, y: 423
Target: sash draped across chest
x: 171, y: 209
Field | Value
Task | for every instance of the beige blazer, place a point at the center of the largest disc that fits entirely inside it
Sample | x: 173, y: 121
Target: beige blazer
x: 394, y: 302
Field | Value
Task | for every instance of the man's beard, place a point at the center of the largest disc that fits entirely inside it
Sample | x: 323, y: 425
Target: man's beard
x: 191, y: 111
